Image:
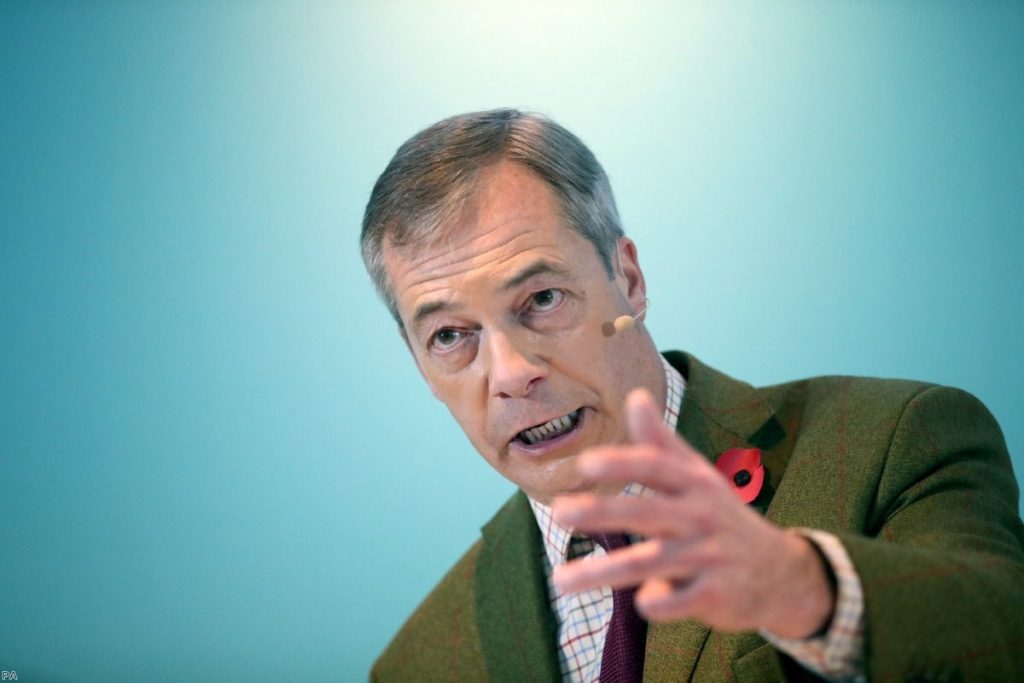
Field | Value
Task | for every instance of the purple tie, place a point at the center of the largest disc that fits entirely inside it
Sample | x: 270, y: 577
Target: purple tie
x: 623, y: 657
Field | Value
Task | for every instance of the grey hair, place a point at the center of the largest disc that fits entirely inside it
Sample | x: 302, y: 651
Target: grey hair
x: 428, y: 181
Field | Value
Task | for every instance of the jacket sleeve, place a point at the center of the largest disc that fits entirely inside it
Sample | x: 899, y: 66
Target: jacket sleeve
x: 942, y: 566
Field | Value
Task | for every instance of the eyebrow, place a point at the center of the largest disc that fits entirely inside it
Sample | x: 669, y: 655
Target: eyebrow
x: 429, y: 309
x: 536, y: 268
x: 541, y: 267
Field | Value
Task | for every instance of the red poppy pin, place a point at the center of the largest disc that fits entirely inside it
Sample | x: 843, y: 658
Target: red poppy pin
x: 742, y: 467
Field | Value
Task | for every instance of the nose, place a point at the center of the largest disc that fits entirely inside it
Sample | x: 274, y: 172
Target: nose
x: 513, y: 371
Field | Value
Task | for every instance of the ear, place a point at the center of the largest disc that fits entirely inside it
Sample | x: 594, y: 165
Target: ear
x: 415, y: 359
x: 629, y: 277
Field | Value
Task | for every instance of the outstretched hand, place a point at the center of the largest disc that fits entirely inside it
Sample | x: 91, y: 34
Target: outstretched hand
x: 706, y: 555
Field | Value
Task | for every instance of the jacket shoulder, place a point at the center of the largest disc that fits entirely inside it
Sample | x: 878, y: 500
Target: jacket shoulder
x: 832, y: 393
x: 839, y: 433
x: 439, y: 641
x: 875, y: 409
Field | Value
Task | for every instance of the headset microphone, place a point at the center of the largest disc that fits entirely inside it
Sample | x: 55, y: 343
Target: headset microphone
x: 625, y: 322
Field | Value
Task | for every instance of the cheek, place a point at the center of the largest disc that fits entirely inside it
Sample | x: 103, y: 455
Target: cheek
x: 596, y: 359
x: 604, y: 366
x: 463, y: 401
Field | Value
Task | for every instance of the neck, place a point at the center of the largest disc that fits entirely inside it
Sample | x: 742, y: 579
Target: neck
x: 652, y: 374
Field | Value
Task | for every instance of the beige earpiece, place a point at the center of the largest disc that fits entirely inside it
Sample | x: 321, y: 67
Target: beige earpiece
x: 626, y: 322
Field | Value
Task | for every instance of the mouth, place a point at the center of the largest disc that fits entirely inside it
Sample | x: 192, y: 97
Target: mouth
x: 543, y: 435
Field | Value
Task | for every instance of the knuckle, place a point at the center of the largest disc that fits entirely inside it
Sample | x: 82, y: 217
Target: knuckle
x: 634, y: 565
x: 676, y: 551
x: 702, y: 517
x: 706, y: 477
x: 712, y: 553
x: 669, y: 510
x: 712, y: 595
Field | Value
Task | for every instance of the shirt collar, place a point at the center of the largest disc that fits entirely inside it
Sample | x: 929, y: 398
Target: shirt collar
x: 557, y: 537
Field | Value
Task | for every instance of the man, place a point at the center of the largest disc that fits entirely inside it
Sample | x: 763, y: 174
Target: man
x: 881, y: 538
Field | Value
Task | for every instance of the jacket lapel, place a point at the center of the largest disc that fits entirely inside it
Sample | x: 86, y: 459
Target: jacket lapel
x: 514, y: 619
x: 718, y: 413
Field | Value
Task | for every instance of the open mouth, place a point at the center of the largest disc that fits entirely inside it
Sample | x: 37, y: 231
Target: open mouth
x: 550, y: 430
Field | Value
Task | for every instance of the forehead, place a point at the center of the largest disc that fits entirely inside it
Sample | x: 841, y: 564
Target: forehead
x: 513, y: 219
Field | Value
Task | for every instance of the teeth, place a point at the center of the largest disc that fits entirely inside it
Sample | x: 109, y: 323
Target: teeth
x: 554, y: 427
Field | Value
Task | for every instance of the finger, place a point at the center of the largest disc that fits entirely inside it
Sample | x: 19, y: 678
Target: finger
x: 652, y: 466
x: 645, y: 464
x: 645, y: 422
x: 630, y: 566
x: 649, y: 516
x: 662, y: 599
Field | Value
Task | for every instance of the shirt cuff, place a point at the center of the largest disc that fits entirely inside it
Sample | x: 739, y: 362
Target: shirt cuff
x: 838, y: 654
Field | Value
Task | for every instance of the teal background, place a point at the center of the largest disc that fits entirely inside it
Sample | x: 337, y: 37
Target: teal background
x: 217, y: 461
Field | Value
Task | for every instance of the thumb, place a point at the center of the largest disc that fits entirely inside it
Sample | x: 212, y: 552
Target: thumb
x: 644, y: 420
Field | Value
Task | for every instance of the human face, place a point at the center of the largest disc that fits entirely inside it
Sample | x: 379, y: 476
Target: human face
x: 505, y: 319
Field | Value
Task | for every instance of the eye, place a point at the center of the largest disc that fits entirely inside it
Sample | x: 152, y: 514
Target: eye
x: 445, y: 338
x: 545, y: 300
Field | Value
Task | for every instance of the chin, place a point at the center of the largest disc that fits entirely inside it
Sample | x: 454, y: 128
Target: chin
x: 548, y: 493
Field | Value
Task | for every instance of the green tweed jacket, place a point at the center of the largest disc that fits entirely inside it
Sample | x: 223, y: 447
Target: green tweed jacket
x: 913, y: 478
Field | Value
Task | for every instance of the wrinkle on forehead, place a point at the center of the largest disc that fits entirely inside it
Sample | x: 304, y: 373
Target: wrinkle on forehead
x: 451, y: 264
